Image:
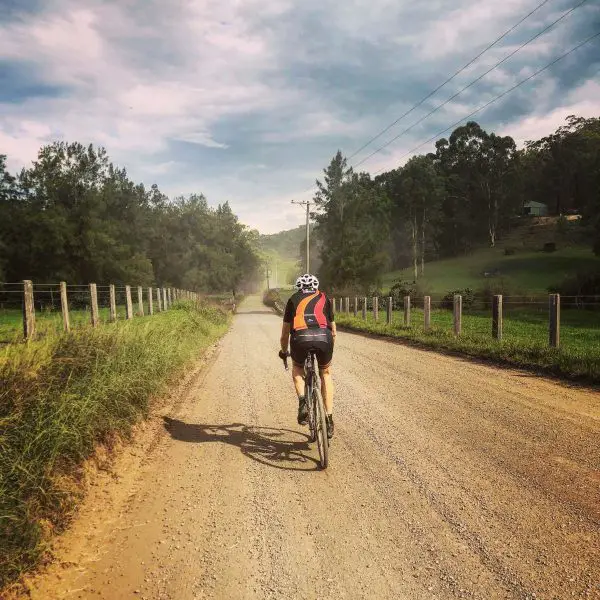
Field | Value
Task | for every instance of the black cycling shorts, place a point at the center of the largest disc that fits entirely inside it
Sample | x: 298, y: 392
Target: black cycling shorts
x: 319, y: 340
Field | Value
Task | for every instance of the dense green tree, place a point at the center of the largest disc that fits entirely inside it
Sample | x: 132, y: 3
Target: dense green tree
x: 469, y: 192
x: 74, y: 216
x: 478, y: 168
x: 416, y: 192
x: 352, y: 216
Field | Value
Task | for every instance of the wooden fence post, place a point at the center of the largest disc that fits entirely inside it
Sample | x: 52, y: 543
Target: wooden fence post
x: 113, y: 303
x: 554, y: 301
x: 457, y: 314
x: 355, y: 306
x: 94, y: 304
x: 150, y: 302
x: 158, y: 300
x: 364, y: 310
x: 140, y: 301
x: 407, y: 311
x: 28, y: 310
x: 390, y: 309
x: 427, y: 313
x: 497, y: 317
x: 128, y: 303
x: 170, y: 295
x: 164, y: 295
x: 64, y: 306
x: 347, y: 307
x: 376, y: 308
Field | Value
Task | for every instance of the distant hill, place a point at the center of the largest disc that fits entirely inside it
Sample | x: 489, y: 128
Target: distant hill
x: 283, y: 250
x: 285, y: 243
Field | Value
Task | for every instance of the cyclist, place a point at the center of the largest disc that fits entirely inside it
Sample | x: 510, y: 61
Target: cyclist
x: 308, y: 324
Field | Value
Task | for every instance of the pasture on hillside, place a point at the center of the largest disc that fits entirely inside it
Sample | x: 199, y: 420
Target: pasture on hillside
x: 526, y: 272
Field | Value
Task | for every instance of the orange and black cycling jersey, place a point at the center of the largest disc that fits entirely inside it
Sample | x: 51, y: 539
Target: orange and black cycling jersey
x: 310, y: 310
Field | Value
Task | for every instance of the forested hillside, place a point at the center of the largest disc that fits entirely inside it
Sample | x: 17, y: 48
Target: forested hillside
x: 74, y: 216
x: 470, y: 193
x: 285, y: 243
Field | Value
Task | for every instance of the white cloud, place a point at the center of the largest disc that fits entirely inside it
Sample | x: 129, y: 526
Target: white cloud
x: 583, y: 102
x: 263, y: 92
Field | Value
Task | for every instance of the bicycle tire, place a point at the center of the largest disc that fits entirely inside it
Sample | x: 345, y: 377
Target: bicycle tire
x: 311, y: 414
x: 321, y: 423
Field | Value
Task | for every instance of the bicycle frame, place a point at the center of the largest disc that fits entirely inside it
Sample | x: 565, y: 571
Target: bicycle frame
x: 316, y: 410
x: 310, y: 381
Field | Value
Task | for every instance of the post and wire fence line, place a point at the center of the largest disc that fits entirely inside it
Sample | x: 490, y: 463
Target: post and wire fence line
x: 548, y: 320
x: 41, y: 307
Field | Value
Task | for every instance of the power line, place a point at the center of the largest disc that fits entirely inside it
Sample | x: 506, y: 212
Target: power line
x: 507, y: 57
x: 439, y: 87
x: 506, y: 92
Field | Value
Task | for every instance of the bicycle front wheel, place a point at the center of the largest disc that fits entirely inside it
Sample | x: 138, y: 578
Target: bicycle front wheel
x: 321, y: 428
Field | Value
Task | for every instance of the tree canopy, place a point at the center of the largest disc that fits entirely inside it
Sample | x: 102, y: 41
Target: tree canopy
x: 76, y: 217
x: 464, y: 195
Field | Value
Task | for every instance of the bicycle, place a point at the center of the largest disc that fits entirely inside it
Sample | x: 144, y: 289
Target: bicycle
x: 317, y: 423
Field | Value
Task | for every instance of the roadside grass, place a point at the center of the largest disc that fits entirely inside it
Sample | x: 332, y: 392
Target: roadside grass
x: 63, y: 395
x: 524, y: 344
x: 50, y: 321
x: 530, y: 272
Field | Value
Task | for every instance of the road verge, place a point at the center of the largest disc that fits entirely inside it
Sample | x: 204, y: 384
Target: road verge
x: 63, y: 397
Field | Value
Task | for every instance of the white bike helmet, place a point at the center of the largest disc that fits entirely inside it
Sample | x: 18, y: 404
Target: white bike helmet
x: 307, y: 283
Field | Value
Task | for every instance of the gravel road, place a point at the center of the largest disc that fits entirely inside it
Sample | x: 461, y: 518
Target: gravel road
x: 447, y: 479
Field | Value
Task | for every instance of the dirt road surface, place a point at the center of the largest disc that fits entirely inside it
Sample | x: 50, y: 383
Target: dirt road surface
x: 448, y: 479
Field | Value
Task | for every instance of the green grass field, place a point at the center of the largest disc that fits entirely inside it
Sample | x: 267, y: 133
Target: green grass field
x: 49, y: 322
x: 525, y: 272
x: 524, y: 344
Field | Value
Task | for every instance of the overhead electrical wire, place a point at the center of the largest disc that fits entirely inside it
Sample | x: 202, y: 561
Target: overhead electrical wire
x: 507, y: 57
x: 439, y: 87
x: 491, y: 45
x: 505, y: 93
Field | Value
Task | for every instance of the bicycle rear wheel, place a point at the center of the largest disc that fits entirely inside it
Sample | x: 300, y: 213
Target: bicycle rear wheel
x: 312, y: 418
x: 321, y: 426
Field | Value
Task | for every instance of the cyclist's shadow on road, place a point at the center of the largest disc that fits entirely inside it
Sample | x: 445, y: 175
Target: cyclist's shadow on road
x: 269, y: 446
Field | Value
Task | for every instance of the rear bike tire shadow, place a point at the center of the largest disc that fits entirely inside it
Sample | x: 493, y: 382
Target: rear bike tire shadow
x: 266, y: 445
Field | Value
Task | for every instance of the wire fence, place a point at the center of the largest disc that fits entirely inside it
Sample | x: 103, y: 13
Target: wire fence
x: 29, y: 309
x: 553, y: 320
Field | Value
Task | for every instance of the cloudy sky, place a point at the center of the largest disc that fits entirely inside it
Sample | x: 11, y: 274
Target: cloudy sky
x: 248, y: 100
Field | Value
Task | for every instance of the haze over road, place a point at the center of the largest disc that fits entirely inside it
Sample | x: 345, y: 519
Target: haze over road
x: 447, y: 479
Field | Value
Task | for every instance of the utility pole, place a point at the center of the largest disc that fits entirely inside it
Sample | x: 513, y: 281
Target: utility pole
x: 307, y: 204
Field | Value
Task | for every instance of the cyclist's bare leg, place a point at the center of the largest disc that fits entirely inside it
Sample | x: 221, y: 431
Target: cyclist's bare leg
x: 327, y: 389
x: 298, y: 377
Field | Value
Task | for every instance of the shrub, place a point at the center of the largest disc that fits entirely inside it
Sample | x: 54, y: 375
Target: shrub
x: 271, y: 298
x: 468, y: 298
x: 549, y: 247
x: 580, y: 284
x: 496, y: 287
x: 414, y: 289
x: 509, y: 251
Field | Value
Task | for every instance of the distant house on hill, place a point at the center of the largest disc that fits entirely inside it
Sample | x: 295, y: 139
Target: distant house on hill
x: 535, y: 209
